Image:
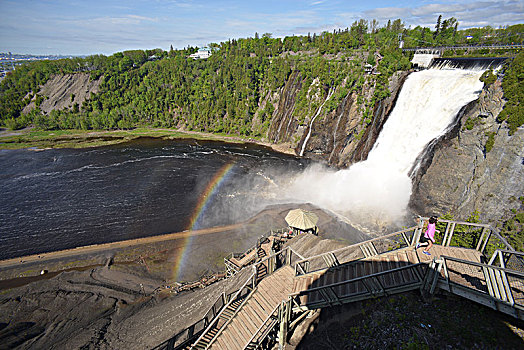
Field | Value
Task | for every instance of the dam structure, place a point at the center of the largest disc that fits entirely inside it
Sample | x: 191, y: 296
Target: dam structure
x: 282, y: 286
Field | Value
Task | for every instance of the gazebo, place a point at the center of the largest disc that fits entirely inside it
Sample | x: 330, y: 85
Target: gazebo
x: 302, y: 220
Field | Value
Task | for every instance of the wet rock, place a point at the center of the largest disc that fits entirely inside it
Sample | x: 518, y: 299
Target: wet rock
x: 461, y: 173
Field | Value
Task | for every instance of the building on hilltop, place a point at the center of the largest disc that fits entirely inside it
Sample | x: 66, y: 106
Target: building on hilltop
x: 202, y: 53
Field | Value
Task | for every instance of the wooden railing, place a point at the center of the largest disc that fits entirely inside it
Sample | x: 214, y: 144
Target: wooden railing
x: 481, y: 237
x: 375, y: 246
x: 232, y: 268
x: 509, y: 259
x: 287, y: 256
x: 507, y: 285
x: 496, y: 287
x: 263, y: 331
x: 273, y: 262
x: 243, y: 292
x: 364, y: 287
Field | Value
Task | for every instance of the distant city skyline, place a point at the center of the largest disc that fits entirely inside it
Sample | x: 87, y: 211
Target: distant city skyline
x: 76, y: 27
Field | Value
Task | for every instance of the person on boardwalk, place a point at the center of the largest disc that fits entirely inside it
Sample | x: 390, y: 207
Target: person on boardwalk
x: 429, y: 236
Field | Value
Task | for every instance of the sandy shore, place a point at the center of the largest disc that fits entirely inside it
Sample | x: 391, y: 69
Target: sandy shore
x: 97, y: 248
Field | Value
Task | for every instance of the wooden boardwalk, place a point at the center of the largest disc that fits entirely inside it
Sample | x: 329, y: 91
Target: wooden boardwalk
x: 282, y: 288
x: 399, y: 271
x: 253, y: 314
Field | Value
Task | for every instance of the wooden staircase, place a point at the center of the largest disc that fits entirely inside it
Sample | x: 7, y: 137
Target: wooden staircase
x: 225, y: 316
x: 377, y: 275
x: 256, y: 310
x: 377, y: 267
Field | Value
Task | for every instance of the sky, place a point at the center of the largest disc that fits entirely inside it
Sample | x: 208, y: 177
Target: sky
x: 86, y: 27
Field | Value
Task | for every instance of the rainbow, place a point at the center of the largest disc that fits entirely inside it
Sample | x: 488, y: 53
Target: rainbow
x: 205, y: 199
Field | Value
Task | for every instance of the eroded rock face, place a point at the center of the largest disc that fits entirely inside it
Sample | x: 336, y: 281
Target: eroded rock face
x: 339, y: 138
x: 63, y: 91
x: 101, y: 309
x: 463, y: 173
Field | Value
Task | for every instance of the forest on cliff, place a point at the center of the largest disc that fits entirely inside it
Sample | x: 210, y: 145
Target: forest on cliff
x: 233, y: 91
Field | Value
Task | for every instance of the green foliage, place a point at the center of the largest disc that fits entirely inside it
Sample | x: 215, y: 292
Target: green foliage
x: 488, y: 77
x: 463, y: 235
x: 513, y: 86
x: 490, y: 142
x: 520, y: 217
x: 470, y: 123
x: 225, y: 93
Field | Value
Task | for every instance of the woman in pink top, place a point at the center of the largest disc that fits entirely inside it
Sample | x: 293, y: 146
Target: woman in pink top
x: 429, y: 235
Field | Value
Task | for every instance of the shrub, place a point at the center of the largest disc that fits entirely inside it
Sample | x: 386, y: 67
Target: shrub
x: 490, y: 142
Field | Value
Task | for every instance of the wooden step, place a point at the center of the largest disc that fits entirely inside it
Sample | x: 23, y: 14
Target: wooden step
x: 251, y: 321
x: 265, y: 304
x: 397, y: 276
x: 258, y: 309
x: 243, y: 329
x: 256, y: 316
x: 407, y: 273
x: 412, y: 257
x: 360, y: 288
x: 228, y: 340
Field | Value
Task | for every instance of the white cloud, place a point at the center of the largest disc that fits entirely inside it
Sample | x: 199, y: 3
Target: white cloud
x: 385, y: 13
x: 469, y: 14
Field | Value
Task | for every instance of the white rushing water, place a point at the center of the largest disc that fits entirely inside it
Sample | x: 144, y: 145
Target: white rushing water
x: 379, y: 188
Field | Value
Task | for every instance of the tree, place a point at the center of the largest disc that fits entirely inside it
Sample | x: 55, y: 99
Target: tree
x: 437, y: 27
x: 373, y: 26
x: 397, y: 26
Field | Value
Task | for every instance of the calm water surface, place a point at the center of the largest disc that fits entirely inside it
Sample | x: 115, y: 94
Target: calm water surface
x: 59, y: 199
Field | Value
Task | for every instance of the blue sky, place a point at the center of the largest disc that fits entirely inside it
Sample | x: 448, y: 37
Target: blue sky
x: 87, y: 27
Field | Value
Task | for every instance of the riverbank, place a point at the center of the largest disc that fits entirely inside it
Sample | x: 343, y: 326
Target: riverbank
x: 148, y: 257
x: 44, y: 139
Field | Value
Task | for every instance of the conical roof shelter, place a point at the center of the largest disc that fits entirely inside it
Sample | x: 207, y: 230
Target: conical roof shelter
x: 301, y: 219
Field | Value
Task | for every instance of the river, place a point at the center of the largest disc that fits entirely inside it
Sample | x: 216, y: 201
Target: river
x: 63, y: 198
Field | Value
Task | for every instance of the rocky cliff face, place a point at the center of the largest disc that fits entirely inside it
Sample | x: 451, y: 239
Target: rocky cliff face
x: 477, y: 166
x: 340, y: 137
x: 63, y: 91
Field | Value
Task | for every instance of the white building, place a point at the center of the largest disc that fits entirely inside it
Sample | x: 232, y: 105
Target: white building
x: 201, y: 54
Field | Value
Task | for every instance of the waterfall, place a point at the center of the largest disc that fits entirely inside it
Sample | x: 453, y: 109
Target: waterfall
x: 313, y: 120
x: 380, y: 187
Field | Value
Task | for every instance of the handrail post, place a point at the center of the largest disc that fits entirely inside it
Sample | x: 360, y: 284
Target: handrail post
x: 284, y: 317
x: 502, y: 261
x: 450, y: 236
x: 482, y: 235
x: 494, y: 256
x: 448, y: 225
x: 488, y: 237
x: 418, y: 231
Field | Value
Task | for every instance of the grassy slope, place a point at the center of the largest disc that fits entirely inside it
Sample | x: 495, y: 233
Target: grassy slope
x: 41, y: 139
